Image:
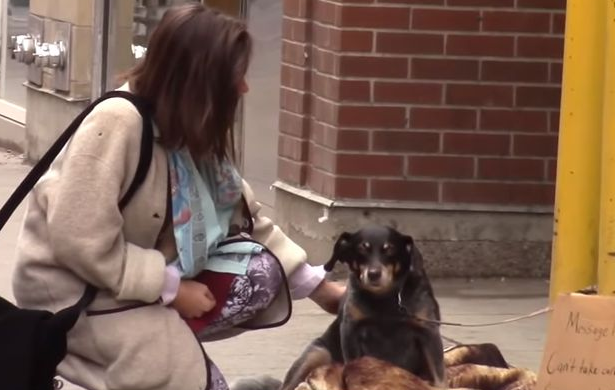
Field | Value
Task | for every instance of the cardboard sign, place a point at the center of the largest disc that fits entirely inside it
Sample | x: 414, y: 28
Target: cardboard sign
x: 580, y: 349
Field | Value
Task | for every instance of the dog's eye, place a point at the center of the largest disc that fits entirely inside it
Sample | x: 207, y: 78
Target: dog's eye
x: 366, y: 245
x: 388, y: 249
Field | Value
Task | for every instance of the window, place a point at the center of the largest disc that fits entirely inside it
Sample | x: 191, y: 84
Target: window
x: 13, y: 74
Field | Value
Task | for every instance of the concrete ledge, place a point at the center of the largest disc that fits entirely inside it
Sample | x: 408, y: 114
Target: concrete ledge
x: 47, y: 116
x: 408, y: 205
x: 12, y: 135
x: 454, y: 243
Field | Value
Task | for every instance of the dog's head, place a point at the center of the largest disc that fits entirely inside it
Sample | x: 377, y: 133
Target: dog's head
x: 379, y: 258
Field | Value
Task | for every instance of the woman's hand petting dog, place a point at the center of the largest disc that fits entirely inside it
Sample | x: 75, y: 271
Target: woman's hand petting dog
x: 328, y: 295
x: 193, y: 299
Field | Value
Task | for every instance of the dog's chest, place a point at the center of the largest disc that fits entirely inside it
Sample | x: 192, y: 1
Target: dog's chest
x: 391, y: 339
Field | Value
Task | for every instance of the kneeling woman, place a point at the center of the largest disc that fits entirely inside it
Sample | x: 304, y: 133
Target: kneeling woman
x: 190, y: 254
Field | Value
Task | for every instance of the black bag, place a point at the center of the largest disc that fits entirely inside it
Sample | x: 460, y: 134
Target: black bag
x: 33, y: 342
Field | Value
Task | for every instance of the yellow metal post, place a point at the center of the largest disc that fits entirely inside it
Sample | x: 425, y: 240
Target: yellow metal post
x: 576, y: 218
x: 606, y: 245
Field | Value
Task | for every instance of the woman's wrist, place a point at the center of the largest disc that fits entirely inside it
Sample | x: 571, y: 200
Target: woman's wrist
x: 328, y: 295
x: 304, y: 280
x: 171, y: 284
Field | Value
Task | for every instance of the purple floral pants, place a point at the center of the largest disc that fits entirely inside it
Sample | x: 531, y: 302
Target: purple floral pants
x: 250, y: 293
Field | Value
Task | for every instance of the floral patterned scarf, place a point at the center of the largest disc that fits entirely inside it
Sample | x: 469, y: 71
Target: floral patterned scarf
x: 203, y: 201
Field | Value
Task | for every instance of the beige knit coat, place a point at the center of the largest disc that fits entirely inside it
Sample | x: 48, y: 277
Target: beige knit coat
x: 73, y: 231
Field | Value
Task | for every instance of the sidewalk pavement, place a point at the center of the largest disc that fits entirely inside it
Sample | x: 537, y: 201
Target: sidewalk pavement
x: 272, y: 351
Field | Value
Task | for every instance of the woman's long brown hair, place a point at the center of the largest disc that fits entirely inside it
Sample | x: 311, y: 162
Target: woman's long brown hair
x: 195, y: 61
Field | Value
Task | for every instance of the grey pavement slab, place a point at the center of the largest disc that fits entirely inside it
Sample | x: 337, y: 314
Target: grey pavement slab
x: 272, y: 351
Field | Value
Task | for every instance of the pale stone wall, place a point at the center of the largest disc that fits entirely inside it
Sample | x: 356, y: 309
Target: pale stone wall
x: 50, y: 110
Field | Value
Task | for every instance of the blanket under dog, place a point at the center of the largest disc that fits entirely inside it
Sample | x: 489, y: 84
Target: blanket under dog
x: 468, y: 367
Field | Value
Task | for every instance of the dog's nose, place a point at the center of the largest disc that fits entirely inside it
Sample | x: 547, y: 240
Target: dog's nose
x: 374, y: 274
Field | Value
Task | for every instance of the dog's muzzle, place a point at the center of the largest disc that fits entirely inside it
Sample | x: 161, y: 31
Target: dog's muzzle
x: 374, y: 274
x: 376, y: 278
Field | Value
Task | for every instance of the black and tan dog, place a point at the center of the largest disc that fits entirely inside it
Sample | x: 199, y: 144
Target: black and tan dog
x: 388, y: 296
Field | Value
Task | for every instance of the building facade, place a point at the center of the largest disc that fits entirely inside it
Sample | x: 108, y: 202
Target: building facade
x: 439, y: 117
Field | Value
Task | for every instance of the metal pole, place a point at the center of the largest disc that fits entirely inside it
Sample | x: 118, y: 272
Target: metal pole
x: 112, y: 44
x: 100, y: 45
x: 606, y: 245
x: 576, y: 213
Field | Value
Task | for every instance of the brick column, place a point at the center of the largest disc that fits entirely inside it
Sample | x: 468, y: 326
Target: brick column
x: 431, y: 115
x: 425, y: 101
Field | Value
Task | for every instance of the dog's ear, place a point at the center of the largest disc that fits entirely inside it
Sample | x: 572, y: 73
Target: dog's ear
x: 340, y: 251
x: 408, y: 243
x: 416, y: 259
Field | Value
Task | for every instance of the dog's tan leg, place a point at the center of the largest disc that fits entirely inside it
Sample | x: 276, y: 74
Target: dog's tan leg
x: 312, y: 358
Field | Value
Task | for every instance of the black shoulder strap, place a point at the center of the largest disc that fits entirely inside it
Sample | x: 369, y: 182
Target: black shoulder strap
x: 147, y: 145
x: 145, y: 158
x: 42, y: 166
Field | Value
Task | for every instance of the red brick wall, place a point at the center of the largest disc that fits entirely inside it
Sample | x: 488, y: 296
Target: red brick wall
x: 449, y: 101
